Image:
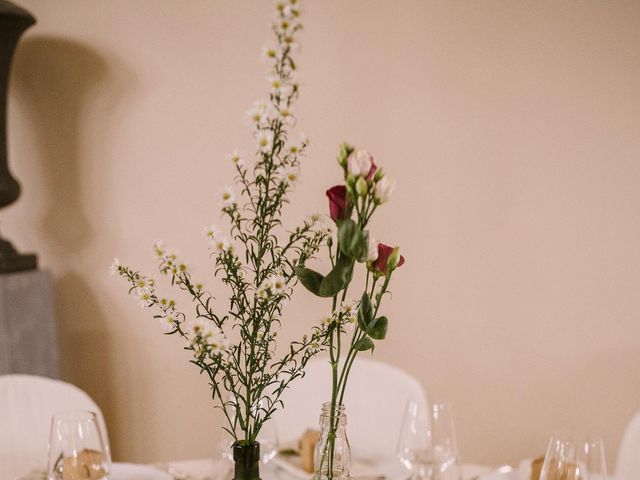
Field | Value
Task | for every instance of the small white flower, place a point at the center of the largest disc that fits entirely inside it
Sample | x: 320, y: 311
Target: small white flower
x: 286, y: 90
x: 348, y: 308
x: 359, y: 163
x: 168, y: 322
x: 159, y: 248
x: 204, y: 333
x: 144, y: 296
x: 228, y: 197
x: 289, y: 175
x: 290, y: 12
x: 221, y: 244
x: 327, y: 320
x: 258, y: 113
x: 265, y: 141
x: 277, y: 284
x: 275, y: 82
x: 314, y: 218
x: 384, y: 189
x: 211, y: 232
x: 372, y: 253
x: 115, y: 266
x: 269, y: 53
x: 274, y: 285
x: 236, y: 158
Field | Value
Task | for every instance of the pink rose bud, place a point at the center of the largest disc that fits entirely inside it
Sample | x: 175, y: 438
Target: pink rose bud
x: 337, y: 202
x: 360, y: 164
x: 389, y: 259
x: 383, y: 189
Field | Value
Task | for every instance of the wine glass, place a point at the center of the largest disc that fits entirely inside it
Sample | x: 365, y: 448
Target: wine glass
x: 267, y: 437
x: 77, y: 448
x: 568, y: 459
x: 427, y: 444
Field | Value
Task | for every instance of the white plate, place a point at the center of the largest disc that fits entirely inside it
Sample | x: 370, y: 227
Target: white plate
x: 130, y: 471
x: 497, y: 475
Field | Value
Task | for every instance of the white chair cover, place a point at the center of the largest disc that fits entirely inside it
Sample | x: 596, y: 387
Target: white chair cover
x: 628, y: 466
x: 376, y: 396
x: 27, y: 404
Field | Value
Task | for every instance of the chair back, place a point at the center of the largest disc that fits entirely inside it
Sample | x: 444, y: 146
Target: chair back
x: 375, y: 399
x: 27, y: 403
x: 628, y: 466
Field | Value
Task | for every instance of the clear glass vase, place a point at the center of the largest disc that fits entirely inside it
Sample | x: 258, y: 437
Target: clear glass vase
x: 332, y: 457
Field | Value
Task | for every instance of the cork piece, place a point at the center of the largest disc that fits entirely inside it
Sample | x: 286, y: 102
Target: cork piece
x: 307, y: 447
x: 87, y: 465
x: 536, y: 468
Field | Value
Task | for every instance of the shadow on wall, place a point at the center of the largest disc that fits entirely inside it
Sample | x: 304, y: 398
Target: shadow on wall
x: 65, y: 90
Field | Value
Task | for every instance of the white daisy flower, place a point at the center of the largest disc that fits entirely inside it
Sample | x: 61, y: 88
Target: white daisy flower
x: 277, y: 284
x: 314, y: 218
x: 265, y: 141
x: 275, y: 82
x: 236, y: 158
x: 159, y: 248
x: 211, y: 232
x: 258, y: 113
x: 349, y: 310
x: 115, y: 266
x: 144, y: 296
x: 269, y: 53
x: 228, y: 196
x: 290, y: 11
x: 221, y: 244
x: 168, y: 322
x: 289, y: 175
x: 286, y: 115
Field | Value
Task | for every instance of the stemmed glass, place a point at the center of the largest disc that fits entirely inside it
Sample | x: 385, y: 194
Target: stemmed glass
x: 427, y: 444
x: 77, y: 449
x: 267, y: 437
x: 574, y: 460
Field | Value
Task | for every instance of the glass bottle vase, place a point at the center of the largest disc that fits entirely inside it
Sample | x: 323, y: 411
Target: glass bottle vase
x: 246, y: 459
x: 332, y: 457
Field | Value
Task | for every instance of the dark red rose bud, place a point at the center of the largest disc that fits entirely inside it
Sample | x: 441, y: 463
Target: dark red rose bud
x: 337, y: 202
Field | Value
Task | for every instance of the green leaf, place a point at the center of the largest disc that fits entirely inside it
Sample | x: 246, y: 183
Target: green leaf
x: 352, y: 242
x: 365, y: 312
x: 336, y: 279
x: 310, y: 279
x: 378, y: 328
x: 365, y: 343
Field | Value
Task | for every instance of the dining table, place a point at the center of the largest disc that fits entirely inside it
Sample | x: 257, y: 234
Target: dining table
x: 220, y: 469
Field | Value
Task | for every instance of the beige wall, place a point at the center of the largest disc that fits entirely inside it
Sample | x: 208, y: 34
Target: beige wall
x: 512, y: 127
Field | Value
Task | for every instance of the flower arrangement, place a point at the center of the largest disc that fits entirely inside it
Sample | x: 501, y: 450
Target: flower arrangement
x: 351, y: 206
x: 236, y: 348
x: 260, y: 262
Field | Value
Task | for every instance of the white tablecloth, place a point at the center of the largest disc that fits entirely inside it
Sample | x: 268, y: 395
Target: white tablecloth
x: 219, y: 469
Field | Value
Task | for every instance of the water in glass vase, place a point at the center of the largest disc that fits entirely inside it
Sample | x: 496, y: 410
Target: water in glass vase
x: 332, y: 457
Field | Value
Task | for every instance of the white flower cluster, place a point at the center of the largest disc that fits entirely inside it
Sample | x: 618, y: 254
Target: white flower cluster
x: 205, y: 336
x: 272, y: 286
x: 217, y: 242
x: 169, y: 317
x: 227, y: 197
x: 283, y: 86
x: 346, y: 314
x: 144, y: 291
x: 168, y: 260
